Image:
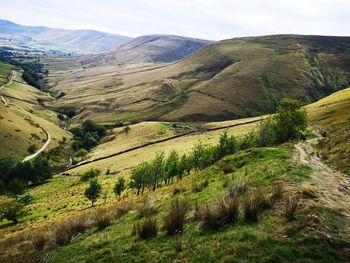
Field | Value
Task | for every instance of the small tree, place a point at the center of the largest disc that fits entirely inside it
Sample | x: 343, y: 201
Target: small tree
x: 93, y: 191
x: 140, y: 177
x: 119, y: 187
x: 126, y: 129
x: 82, y: 153
x: 172, y: 166
x: 157, y: 170
x: 289, y: 120
x: 90, y: 174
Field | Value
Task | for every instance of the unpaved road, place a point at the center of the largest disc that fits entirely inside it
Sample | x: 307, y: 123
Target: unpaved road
x: 13, y: 75
x: 332, y: 187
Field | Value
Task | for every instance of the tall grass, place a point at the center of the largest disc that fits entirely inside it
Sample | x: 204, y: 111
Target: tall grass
x: 176, y: 216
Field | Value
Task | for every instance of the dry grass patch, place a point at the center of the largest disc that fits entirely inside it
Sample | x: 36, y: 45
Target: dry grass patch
x: 146, y: 229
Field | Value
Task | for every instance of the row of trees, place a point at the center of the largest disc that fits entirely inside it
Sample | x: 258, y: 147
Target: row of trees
x: 285, y: 125
x: 15, y: 175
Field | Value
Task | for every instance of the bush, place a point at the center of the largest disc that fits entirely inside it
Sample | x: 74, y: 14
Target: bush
x: 147, y: 229
x: 78, y: 225
x: 25, y: 199
x: 38, y: 241
x: 146, y: 208
x: 227, y: 146
x: 102, y: 218
x: 266, y: 134
x: 289, y: 120
x: 11, y: 211
x: 90, y: 174
x: 201, y: 156
x: 291, y: 208
x: 63, y: 234
x: 176, y: 216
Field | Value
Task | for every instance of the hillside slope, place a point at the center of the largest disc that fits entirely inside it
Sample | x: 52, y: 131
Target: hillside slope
x: 149, y: 48
x: 24, y: 121
x: 228, y: 79
x: 81, y: 41
x: 331, y: 116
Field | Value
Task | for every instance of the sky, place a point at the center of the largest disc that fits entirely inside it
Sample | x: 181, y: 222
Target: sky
x: 207, y: 19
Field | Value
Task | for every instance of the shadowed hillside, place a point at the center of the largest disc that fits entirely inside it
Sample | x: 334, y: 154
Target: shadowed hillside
x: 81, y: 41
x: 150, y: 48
x: 228, y: 79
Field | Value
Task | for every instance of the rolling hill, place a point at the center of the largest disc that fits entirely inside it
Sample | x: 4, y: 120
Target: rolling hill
x: 229, y: 79
x: 149, y: 48
x: 80, y: 41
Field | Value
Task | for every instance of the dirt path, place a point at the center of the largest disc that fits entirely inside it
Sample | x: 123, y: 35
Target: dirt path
x: 12, y: 76
x: 332, y: 187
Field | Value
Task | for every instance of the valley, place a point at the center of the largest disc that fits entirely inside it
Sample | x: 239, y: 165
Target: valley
x: 164, y: 148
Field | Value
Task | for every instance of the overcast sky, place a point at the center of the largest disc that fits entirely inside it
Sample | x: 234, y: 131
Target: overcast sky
x: 209, y: 19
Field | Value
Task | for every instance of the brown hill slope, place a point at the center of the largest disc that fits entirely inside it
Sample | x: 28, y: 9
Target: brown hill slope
x: 228, y: 79
x: 149, y: 48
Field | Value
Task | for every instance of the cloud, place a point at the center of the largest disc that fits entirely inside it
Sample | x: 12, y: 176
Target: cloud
x: 210, y: 19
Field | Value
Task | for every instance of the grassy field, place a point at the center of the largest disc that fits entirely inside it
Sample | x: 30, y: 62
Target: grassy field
x: 332, y: 115
x: 272, y: 238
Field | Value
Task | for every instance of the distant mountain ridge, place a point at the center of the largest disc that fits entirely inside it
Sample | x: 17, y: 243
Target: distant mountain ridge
x: 80, y: 41
x: 149, y: 48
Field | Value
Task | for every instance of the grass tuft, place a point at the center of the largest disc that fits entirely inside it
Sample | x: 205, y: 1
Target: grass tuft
x: 176, y: 216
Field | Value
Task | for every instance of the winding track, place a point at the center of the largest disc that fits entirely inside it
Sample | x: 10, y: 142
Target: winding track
x: 13, y: 75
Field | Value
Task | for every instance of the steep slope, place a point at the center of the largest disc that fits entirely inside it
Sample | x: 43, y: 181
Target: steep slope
x: 331, y: 116
x: 24, y: 121
x: 228, y: 79
x: 150, y: 48
x: 81, y: 41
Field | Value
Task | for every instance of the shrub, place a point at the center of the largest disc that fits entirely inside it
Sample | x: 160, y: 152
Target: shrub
x: 102, y: 218
x: 266, y: 133
x: 11, y: 211
x: 39, y: 241
x: 90, y: 174
x: 146, y: 208
x: 251, y: 205
x: 289, y: 120
x: 227, y: 146
x: 147, y: 229
x: 78, y: 225
x: 291, y: 208
x: 201, y: 156
x: 176, y: 216
x: 93, y: 191
x: 63, y: 234
x: 198, y: 187
x: 25, y: 199
x: 82, y: 153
